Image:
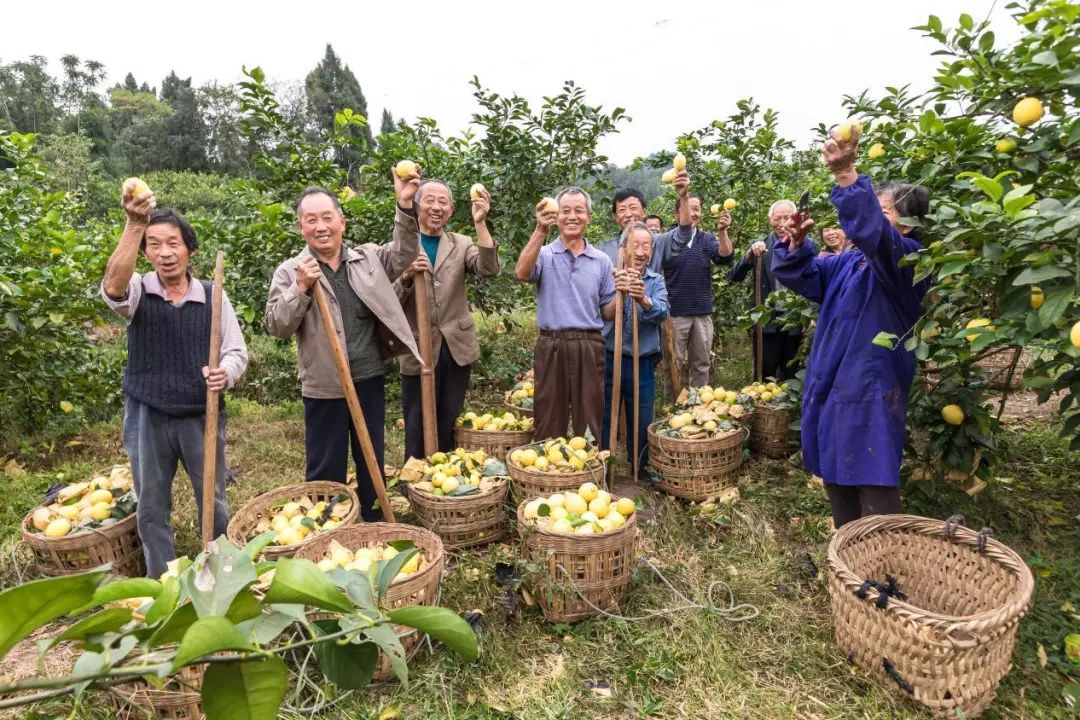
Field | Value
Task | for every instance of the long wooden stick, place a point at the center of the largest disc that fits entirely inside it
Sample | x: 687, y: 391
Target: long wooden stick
x: 672, y: 360
x: 209, y: 481
x: 637, y: 385
x: 616, y: 367
x: 759, y: 361
x: 345, y: 378
x: 427, y: 372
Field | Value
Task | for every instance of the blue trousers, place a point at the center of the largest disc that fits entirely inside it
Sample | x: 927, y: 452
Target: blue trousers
x: 155, y: 443
x: 646, y: 400
x: 329, y: 433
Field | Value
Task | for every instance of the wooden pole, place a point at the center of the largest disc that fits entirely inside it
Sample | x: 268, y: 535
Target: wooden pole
x: 616, y: 369
x: 672, y: 360
x: 427, y: 371
x: 209, y: 482
x: 758, y: 332
x: 637, y: 386
x: 345, y: 378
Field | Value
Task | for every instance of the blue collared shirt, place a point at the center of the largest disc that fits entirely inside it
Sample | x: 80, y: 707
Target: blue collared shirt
x: 571, y: 290
x: 648, y: 320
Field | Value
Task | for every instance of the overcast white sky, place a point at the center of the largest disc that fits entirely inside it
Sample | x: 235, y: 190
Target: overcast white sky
x: 674, y: 66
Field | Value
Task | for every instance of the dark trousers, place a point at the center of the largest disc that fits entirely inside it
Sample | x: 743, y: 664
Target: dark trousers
x: 451, y: 381
x: 646, y: 400
x: 778, y: 349
x: 329, y: 433
x: 851, y: 502
x: 569, y: 372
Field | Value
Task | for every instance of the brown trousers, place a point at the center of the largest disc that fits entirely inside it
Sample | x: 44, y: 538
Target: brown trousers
x: 569, y: 383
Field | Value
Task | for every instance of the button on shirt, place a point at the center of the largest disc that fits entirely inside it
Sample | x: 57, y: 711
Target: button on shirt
x: 571, y: 290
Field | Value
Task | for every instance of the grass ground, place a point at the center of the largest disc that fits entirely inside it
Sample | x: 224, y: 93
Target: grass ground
x: 693, y: 663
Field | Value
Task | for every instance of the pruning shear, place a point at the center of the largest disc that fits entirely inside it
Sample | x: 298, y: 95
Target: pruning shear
x: 802, y: 213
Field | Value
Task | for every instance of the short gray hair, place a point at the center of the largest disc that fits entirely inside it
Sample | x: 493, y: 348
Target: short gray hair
x: 781, y: 203
x: 420, y: 190
x: 575, y: 191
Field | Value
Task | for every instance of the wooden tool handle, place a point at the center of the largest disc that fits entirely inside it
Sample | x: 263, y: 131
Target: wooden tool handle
x: 209, y: 481
x: 427, y: 372
x: 759, y: 361
x: 345, y: 378
x: 637, y: 385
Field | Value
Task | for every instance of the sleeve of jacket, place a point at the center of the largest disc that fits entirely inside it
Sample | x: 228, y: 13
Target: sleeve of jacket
x: 659, y: 309
x: 399, y: 253
x: 286, y: 305
x: 741, y: 268
x: 482, y: 261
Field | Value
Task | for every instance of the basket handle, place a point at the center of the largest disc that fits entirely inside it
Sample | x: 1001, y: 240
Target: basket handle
x: 981, y: 537
x: 890, y: 670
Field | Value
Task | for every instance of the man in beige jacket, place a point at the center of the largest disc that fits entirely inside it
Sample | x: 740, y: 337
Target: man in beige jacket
x: 454, y: 348
x: 371, y: 327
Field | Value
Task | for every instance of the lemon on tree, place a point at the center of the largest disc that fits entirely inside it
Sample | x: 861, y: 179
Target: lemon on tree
x: 952, y: 414
x: 1027, y: 112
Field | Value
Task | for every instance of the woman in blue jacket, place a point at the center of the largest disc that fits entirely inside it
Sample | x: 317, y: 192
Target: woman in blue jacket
x: 856, y: 393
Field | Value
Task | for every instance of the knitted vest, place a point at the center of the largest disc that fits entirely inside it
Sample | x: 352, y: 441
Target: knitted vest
x: 167, y: 349
x: 689, y: 280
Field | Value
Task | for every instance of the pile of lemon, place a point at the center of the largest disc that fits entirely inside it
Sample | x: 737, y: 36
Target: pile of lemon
x: 705, y: 412
x: 521, y: 395
x: 559, y: 455
x: 98, y: 502
x: 295, y: 520
x: 455, y: 474
x: 769, y: 394
x: 588, y: 511
x: 340, y: 557
x: 507, y: 422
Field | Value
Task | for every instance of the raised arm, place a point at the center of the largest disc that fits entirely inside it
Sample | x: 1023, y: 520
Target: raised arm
x: 724, y: 252
x: 525, y: 270
x: 400, y: 252
x: 121, y: 264
x: 482, y: 259
x: 801, y: 270
x: 286, y: 304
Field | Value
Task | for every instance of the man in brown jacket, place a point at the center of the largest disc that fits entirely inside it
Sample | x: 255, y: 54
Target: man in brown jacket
x: 454, y: 347
x: 370, y: 323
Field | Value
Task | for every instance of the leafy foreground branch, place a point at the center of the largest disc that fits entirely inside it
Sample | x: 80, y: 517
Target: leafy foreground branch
x: 229, y: 613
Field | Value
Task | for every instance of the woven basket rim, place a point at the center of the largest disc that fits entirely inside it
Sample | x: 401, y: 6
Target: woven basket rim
x: 491, y: 433
x: 263, y: 501
x: 997, y: 551
x: 699, y: 444
x: 523, y: 527
x: 33, y: 539
x: 517, y: 409
x: 503, y: 481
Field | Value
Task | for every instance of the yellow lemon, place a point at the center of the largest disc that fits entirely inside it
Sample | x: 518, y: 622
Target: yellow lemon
x: 476, y: 190
x: 532, y: 509
x: 58, y: 528
x: 68, y: 512
x: 978, y: 323
x: 100, y: 496
x: 1005, y: 145
x: 528, y: 457
x: 715, y: 209
x: 625, y: 507
x: 405, y: 168
x: 668, y: 177
x: 412, y: 565
x: 556, y: 500
x: 679, y: 162
x: 575, y: 504
x: 1037, y: 297
x: 588, y: 491
x: 557, y: 513
x: 289, y: 536
x: 1074, y: 335
x: 541, y: 464
x: 101, y: 510
x: 730, y: 204
x: 561, y: 525
x: 599, y: 507
x: 952, y: 414
x: 616, y: 520
x: 1028, y: 111
x: 450, y: 484
x: 876, y: 151
x: 578, y: 443
x: 136, y: 185
x: 41, y: 519
x: 586, y: 529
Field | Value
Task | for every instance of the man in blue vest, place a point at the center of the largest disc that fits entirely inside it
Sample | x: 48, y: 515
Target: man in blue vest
x: 166, y: 377
x: 687, y: 259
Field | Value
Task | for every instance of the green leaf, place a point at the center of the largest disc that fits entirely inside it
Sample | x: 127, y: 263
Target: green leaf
x: 385, y: 636
x: 992, y: 188
x: 1031, y: 276
x: 24, y: 608
x: 217, y: 576
x: 392, y: 567
x: 1056, y: 303
x: 952, y: 268
x: 207, y: 636
x: 103, y: 621
x: 1047, y: 57
x: 251, y: 690
x: 244, y: 607
x: 884, y: 339
x: 299, y: 581
x: 350, y: 665
x: 441, y: 624
x: 265, y: 628
x: 165, y: 603
x: 257, y: 544
x: 128, y: 588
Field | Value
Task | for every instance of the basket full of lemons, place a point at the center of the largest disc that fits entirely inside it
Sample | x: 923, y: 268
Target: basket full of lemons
x: 495, y: 434
x: 697, y: 449
x: 459, y: 496
x: 296, y: 514
x: 583, y: 540
x: 519, y: 399
x: 86, y: 524
x: 770, y: 432
x: 555, y: 465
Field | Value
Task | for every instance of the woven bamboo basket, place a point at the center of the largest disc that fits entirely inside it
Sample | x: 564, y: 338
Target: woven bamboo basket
x: 531, y: 483
x: 527, y: 412
x: 583, y: 572
x: 496, y: 443
x: 243, y: 523
x: 420, y: 588
x: 947, y: 639
x: 117, y: 544
x: 137, y: 701
x: 466, y: 520
x: 770, y: 432
x: 696, y: 469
